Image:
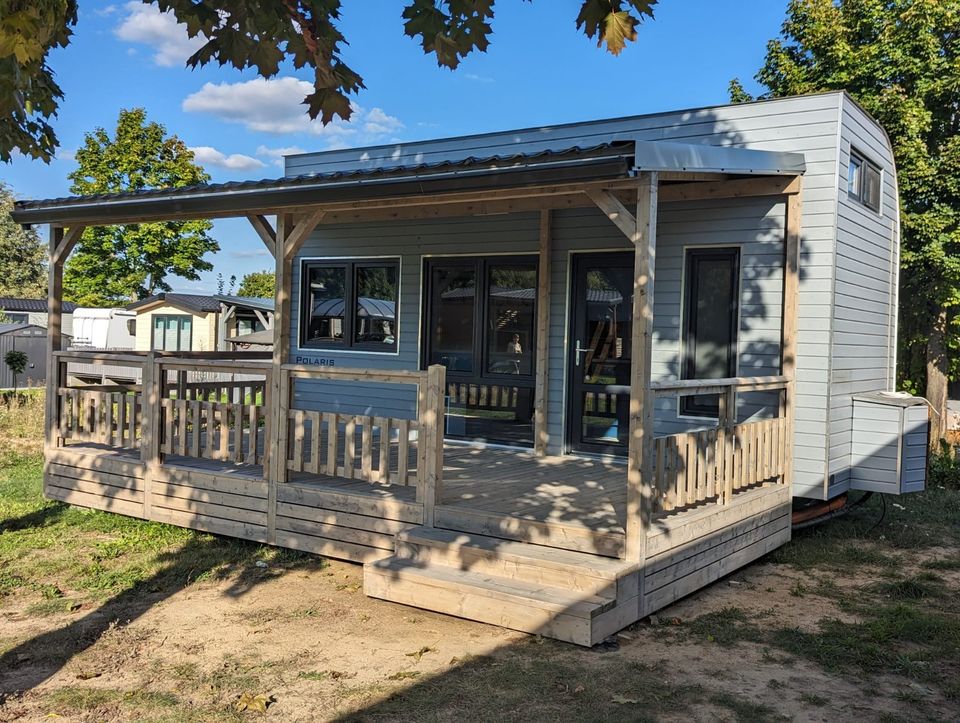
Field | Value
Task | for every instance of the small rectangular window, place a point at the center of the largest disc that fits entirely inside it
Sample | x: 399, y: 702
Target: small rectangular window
x: 16, y: 317
x: 864, y: 181
x: 350, y: 304
x: 710, y: 322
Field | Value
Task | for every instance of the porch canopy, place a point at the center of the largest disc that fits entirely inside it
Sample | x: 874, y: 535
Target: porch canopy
x: 621, y: 175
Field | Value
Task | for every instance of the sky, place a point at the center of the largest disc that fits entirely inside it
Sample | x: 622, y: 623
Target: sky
x: 539, y: 70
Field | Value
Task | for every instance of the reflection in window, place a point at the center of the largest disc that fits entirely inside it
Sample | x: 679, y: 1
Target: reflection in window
x: 452, y: 299
x: 511, y: 296
x: 172, y: 332
x: 480, y: 321
x: 376, y: 294
x: 350, y: 304
x: 327, y: 291
x: 711, y: 322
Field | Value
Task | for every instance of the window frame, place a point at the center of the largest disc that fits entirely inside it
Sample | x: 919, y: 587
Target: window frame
x: 857, y: 187
x: 350, y: 264
x: 687, y: 405
x: 481, y: 265
x: 166, y: 318
x: 17, y: 317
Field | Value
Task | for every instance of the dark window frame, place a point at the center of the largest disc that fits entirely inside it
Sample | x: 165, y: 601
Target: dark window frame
x: 179, y: 318
x: 696, y: 406
x: 859, y: 189
x: 481, y: 265
x: 350, y: 266
x: 17, y: 317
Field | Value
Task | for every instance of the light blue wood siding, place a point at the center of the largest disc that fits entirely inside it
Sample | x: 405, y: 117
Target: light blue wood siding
x: 863, y: 354
x: 809, y: 125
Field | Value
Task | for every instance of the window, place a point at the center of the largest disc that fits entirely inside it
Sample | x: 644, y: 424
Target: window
x: 16, y: 317
x: 350, y: 304
x: 172, y: 332
x: 710, y: 323
x: 863, y: 181
x: 480, y: 323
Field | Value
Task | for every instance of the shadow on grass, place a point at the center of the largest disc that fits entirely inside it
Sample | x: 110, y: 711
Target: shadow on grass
x: 39, y: 658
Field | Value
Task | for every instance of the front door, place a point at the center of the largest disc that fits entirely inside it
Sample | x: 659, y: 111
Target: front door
x: 599, y: 380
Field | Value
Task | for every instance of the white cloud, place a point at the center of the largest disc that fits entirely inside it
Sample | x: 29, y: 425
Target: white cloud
x: 147, y: 25
x: 275, y: 155
x: 209, y: 156
x: 250, y: 254
x: 478, y: 78
x: 276, y: 106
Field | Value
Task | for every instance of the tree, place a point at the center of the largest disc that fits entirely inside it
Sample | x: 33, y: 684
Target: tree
x: 221, y: 283
x: 16, y: 362
x: 258, y: 284
x: 22, y: 254
x: 29, y: 96
x: 301, y: 32
x: 900, y: 59
x: 117, y: 264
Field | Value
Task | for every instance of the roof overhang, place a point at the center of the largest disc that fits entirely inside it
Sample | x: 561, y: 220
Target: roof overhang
x: 520, y: 174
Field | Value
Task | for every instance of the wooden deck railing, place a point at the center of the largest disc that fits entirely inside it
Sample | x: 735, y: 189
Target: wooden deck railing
x: 383, y: 450
x: 714, y: 464
x: 108, y: 414
x: 100, y: 416
x: 214, y: 408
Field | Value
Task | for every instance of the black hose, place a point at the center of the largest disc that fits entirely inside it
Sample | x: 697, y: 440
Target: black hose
x: 839, y: 513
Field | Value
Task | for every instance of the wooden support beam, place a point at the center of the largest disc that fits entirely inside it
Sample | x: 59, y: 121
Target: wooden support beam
x: 67, y: 243
x: 295, y: 237
x: 788, y: 344
x: 737, y: 188
x: 640, y: 448
x: 265, y: 231
x: 540, y: 436
x: 615, y: 211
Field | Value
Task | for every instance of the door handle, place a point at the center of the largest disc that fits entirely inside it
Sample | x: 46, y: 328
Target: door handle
x: 578, y: 351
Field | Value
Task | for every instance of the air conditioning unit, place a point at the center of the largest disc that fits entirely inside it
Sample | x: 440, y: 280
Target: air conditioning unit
x: 889, y: 444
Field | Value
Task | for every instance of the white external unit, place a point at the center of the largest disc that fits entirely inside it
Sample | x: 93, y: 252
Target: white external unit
x: 890, y: 433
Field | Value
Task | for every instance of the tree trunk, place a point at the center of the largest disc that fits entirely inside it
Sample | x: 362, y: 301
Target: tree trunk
x: 937, y: 368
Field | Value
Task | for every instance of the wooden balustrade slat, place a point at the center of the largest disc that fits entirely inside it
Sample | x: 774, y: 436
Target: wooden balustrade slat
x: 314, y: 465
x: 349, y: 447
x: 383, y: 470
x: 403, y: 450
x: 366, y: 448
x: 332, y: 432
x: 237, y: 431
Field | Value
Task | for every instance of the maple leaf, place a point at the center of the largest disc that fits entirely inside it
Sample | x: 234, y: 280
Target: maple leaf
x: 618, y: 28
x: 248, y: 701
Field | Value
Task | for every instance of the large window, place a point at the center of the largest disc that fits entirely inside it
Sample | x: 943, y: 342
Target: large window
x: 710, y: 322
x: 863, y: 181
x: 350, y: 304
x: 172, y: 332
x: 480, y: 323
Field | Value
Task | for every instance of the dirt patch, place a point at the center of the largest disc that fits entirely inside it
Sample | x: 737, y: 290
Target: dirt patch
x: 315, y: 648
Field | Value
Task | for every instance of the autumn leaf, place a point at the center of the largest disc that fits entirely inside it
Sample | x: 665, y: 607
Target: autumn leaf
x: 404, y: 674
x: 258, y: 703
x: 418, y: 654
x: 618, y: 28
x: 621, y: 700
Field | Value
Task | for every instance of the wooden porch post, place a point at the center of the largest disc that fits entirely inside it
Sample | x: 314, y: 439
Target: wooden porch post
x: 54, y: 340
x: 788, y: 346
x: 640, y: 459
x: 289, y: 237
x: 279, y: 401
x: 540, y: 436
x: 60, y: 245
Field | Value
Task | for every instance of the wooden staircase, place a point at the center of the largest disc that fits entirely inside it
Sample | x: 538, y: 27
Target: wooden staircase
x: 572, y: 596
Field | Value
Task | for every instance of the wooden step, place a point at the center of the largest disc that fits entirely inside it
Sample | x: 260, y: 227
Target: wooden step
x: 574, y: 571
x: 509, y: 603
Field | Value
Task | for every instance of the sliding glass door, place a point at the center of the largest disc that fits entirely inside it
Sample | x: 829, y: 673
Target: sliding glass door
x: 480, y: 319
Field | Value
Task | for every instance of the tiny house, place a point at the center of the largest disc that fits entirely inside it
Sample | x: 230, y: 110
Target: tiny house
x: 552, y: 379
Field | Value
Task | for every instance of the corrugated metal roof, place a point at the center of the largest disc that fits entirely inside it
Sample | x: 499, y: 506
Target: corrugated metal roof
x: 249, y: 302
x: 10, y: 303
x: 493, y: 162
